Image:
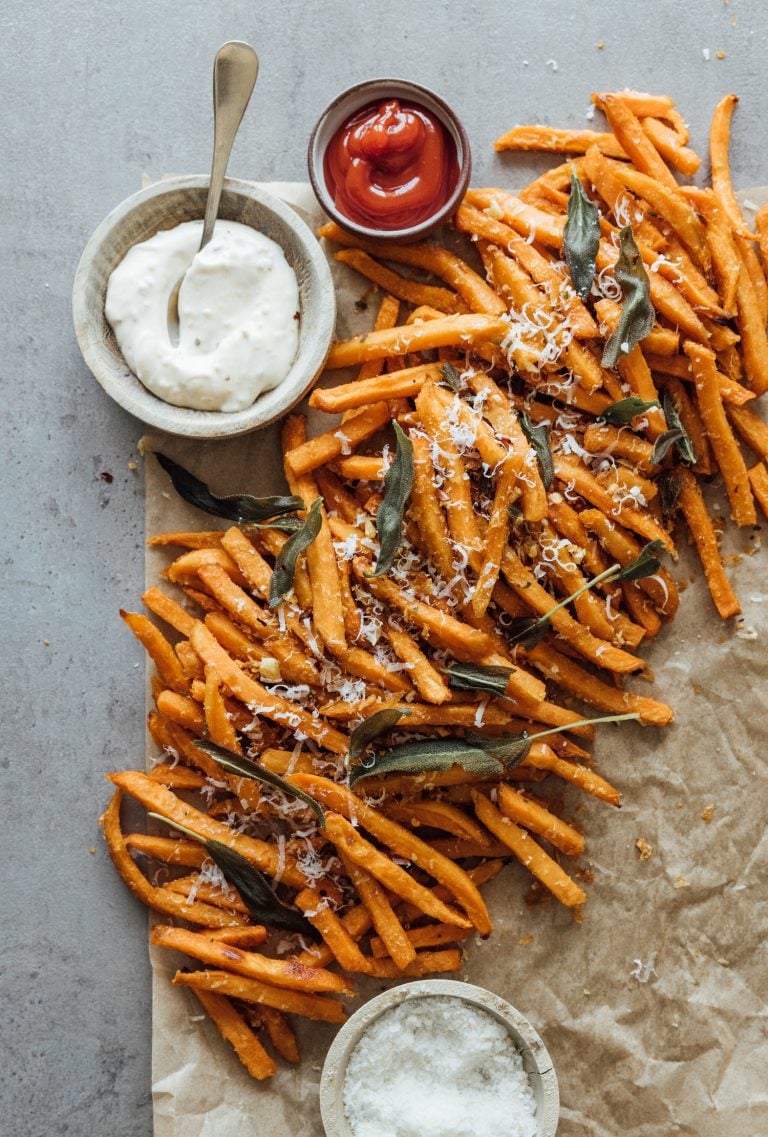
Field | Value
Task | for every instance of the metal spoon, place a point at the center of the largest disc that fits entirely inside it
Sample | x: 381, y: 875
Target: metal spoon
x: 235, y: 69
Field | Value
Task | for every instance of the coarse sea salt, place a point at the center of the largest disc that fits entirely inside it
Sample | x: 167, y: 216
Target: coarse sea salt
x: 438, y: 1067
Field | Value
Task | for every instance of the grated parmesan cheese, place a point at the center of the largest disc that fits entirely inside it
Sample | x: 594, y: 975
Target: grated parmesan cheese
x: 438, y: 1067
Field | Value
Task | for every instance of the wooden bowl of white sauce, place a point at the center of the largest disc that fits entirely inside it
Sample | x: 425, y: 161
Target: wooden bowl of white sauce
x: 438, y: 1058
x: 266, y: 356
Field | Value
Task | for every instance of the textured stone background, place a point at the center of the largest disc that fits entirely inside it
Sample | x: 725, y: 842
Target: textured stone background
x: 95, y: 96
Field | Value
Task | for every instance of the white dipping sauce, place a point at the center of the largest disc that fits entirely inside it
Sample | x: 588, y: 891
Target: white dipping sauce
x: 238, y: 306
x: 438, y: 1067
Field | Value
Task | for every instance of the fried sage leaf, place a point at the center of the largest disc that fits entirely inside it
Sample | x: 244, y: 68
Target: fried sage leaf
x: 645, y: 564
x: 285, y: 563
x: 239, y: 507
x: 670, y: 487
x: 429, y: 756
x: 622, y: 413
x: 263, y: 903
x: 637, y: 314
x: 528, y: 631
x: 451, y: 377
x: 478, y: 677
x: 246, y: 768
x: 581, y: 238
x: 398, y: 483
x: 373, y: 727
x: 676, y: 436
x: 538, y: 436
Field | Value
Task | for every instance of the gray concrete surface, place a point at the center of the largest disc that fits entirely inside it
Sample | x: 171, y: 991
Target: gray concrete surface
x: 96, y: 95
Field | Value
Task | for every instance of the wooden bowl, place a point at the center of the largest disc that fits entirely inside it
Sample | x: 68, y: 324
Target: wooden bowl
x: 162, y: 206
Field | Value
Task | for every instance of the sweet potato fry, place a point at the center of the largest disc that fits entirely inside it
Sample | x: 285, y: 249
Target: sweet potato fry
x: 403, y: 843
x: 634, y: 140
x: 411, y: 291
x: 382, y: 913
x: 531, y: 815
x: 531, y: 855
x: 703, y: 532
x: 758, y: 479
x: 362, y: 852
x: 719, y: 144
x: 317, y: 1007
x: 719, y: 432
x: 552, y: 140
x: 233, y: 1027
x: 159, y: 650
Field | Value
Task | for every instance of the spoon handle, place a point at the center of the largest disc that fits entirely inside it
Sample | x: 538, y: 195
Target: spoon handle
x: 234, y: 74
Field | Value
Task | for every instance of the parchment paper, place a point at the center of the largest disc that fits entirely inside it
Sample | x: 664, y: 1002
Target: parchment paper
x: 654, y: 1006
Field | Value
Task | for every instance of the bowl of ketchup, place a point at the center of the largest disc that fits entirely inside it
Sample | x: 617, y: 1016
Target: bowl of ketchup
x: 389, y: 159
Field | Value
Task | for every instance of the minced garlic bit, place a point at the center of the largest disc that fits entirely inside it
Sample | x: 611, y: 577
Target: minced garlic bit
x: 708, y: 813
x: 438, y: 1067
x: 269, y: 669
x: 644, y: 849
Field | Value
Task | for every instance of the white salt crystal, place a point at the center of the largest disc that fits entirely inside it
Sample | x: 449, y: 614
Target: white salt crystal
x: 438, y: 1067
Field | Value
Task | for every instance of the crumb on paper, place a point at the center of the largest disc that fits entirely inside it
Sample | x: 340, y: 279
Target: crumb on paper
x: 644, y: 849
x: 696, y: 688
x: 525, y: 940
x: 679, y: 805
x: 133, y: 466
x: 642, y: 972
x: 587, y: 991
x: 745, y: 631
x: 679, y: 882
x: 92, y: 850
x: 600, y: 44
x: 708, y: 813
x: 719, y: 55
x: 141, y: 447
x: 724, y: 962
x: 46, y: 643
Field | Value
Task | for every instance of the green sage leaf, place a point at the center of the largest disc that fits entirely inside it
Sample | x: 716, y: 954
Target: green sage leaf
x: 538, y: 436
x: 373, y: 727
x: 285, y: 563
x: 645, y: 564
x: 478, y: 677
x: 637, y: 314
x: 622, y: 412
x: 239, y: 507
x: 398, y: 483
x: 257, y: 894
x: 670, y: 486
x: 509, y: 749
x: 429, y: 756
x: 263, y: 903
x: 247, y: 768
x: 528, y: 631
x: 581, y: 238
x: 451, y: 377
x: 676, y: 436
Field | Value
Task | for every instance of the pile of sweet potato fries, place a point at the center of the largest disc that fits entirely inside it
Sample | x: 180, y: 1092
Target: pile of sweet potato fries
x: 349, y: 704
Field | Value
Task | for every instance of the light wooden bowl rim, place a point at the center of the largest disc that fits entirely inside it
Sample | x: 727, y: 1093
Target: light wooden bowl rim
x: 96, y: 339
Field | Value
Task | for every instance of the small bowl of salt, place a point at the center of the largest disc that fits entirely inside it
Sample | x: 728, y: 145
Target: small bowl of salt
x: 438, y: 1058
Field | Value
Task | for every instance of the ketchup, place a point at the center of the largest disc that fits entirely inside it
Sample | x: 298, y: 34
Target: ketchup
x: 391, y: 165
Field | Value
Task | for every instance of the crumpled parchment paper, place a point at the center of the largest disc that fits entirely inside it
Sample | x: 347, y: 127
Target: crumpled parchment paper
x: 653, y: 1007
